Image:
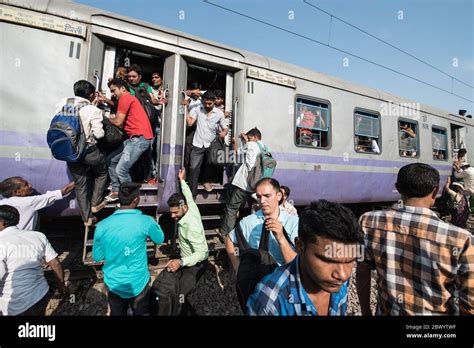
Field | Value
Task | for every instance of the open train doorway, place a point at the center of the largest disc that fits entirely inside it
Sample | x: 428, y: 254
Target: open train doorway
x: 199, y: 79
x: 144, y: 73
x: 458, y: 134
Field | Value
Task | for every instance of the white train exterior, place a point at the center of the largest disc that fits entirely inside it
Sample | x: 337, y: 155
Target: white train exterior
x: 48, y: 45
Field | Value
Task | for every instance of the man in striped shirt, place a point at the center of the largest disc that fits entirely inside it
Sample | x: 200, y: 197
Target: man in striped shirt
x: 424, y: 265
x: 316, y: 281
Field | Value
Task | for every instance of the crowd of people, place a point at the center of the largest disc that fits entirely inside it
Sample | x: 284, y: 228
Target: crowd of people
x: 287, y: 262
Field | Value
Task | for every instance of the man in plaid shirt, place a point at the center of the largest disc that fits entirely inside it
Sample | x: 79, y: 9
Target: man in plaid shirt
x: 316, y: 281
x: 424, y: 265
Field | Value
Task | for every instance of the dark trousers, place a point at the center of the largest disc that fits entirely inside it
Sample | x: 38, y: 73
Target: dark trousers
x: 140, y: 304
x: 170, y: 290
x: 188, y: 146
x: 197, y: 156
x: 90, y: 177
x: 234, y: 201
x: 39, y: 308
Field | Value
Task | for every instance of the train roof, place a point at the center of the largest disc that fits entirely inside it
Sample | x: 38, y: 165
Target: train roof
x: 91, y: 15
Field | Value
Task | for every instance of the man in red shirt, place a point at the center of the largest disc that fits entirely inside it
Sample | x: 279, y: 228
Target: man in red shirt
x: 134, y: 120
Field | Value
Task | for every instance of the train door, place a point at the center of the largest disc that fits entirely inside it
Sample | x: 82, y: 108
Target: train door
x: 116, y: 56
x: 458, y: 138
x: 217, y: 80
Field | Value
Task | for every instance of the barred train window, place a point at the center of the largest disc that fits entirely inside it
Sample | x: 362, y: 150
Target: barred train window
x: 408, y: 138
x: 366, y: 132
x: 312, y: 123
x: 439, y: 141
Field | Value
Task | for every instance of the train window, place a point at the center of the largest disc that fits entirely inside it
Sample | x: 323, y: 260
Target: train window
x: 312, y: 123
x: 366, y: 132
x: 439, y: 140
x: 408, y: 138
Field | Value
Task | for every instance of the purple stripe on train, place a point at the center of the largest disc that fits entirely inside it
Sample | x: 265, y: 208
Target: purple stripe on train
x: 8, y: 138
x: 319, y: 159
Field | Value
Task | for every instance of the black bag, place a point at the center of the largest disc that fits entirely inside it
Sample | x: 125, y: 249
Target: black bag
x: 141, y: 93
x: 113, y: 137
x: 216, y: 153
x: 254, y: 265
x: 165, y: 294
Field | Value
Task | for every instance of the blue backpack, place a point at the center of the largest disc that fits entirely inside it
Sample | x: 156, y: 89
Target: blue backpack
x: 65, y: 136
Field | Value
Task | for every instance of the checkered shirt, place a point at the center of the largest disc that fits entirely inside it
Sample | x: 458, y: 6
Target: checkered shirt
x: 424, y: 265
x: 282, y: 293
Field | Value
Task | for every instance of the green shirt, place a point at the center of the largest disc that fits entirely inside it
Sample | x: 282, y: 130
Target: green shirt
x: 191, y: 236
x: 140, y: 85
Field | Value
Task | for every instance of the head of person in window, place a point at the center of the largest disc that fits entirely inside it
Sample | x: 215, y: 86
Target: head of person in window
x: 406, y: 132
x: 308, y: 119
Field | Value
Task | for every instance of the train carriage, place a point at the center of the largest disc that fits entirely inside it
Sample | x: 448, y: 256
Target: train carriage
x: 332, y: 139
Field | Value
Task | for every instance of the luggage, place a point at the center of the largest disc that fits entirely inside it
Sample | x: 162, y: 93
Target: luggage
x: 65, y: 135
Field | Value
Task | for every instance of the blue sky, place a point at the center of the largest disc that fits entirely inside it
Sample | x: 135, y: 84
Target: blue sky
x: 439, y: 32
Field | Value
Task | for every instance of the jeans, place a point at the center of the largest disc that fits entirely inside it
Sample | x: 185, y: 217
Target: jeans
x: 122, y: 159
x: 140, y: 304
x: 154, y: 154
x: 90, y: 177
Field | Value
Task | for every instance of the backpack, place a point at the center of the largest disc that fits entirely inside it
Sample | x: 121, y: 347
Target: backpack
x: 141, y: 93
x: 254, y: 265
x: 264, y: 167
x: 113, y: 136
x: 65, y: 135
x: 165, y: 294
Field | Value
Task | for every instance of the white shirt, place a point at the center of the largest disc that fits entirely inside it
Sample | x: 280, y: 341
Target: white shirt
x: 22, y: 281
x: 249, y: 152
x: 207, y: 125
x: 467, y: 176
x: 28, y: 207
x: 375, y: 146
x: 91, y: 119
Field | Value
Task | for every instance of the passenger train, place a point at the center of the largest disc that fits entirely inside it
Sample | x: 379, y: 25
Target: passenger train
x: 331, y: 138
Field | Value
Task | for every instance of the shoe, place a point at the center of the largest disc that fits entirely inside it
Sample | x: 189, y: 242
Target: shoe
x: 151, y: 181
x: 207, y: 186
x: 112, y: 197
x: 92, y: 221
x: 98, y: 207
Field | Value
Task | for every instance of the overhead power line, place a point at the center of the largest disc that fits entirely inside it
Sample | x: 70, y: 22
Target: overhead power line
x: 388, y: 43
x: 337, y: 49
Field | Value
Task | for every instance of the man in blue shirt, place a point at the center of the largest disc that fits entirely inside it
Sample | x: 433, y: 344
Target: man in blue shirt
x: 316, y: 281
x: 121, y: 241
x: 275, y: 219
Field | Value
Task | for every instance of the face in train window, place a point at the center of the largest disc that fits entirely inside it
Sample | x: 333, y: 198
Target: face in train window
x: 312, y: 123
x: 439, y: 141
x: 408, y: 139
x: 367, y: 132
